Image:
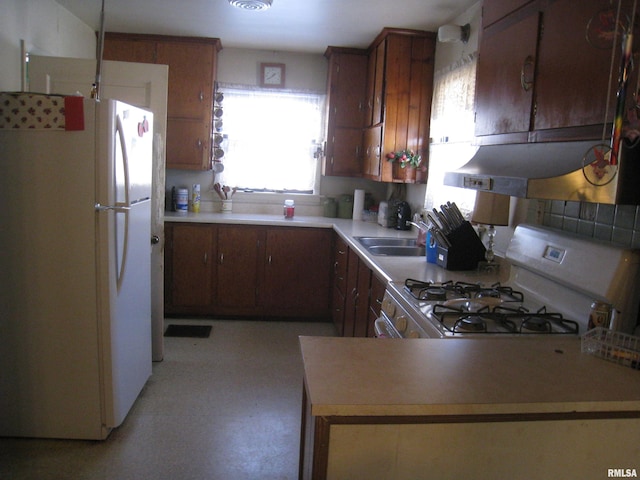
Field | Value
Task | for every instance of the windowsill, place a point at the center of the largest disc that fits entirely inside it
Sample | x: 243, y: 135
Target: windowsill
x: 273, y: 198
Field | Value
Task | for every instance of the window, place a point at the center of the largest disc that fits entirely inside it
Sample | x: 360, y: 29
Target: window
x: 271, y: 139
x: 452, y: 131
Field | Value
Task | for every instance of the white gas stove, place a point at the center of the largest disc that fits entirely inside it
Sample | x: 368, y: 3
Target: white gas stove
x: 554, y: 280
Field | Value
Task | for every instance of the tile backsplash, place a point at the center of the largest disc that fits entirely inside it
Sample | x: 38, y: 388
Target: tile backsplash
x: 619, y: 224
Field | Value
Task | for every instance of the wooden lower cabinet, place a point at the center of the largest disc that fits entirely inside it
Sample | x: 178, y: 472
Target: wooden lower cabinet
x: 246, y: 270
x: 355, y: 312
x: 189, y: 269
x: 239, y: 259
x: 297, y: 277
x: 338, y: 301
x: 375, y: 303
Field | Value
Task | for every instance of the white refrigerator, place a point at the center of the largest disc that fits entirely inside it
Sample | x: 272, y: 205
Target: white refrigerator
x: 75, y: 243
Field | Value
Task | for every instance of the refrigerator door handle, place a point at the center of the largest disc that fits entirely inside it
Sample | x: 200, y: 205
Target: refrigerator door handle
x: 123, y: 208
x: 117, y: 208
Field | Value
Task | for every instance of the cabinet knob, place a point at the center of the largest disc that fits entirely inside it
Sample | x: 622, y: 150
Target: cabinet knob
x: 201, y: 96
x: 155, y: 239
x: 206, y: 258
x: 199, y: 143
x: 221, y: 258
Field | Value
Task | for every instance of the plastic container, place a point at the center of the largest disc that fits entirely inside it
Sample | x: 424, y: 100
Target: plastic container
x: 195, y: 198
x: 182, y: 200
x: 330, y: 207
x: 226, y: 206
x: 289, y: 208
x: 431, y: 249
x: 345, y: 206
x: 613, y: 346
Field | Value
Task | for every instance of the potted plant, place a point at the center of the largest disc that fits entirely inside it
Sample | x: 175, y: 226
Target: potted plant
x: 405, y: 163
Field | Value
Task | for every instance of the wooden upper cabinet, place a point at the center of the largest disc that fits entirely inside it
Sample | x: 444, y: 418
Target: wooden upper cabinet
x: 375, y: 84
x: 407, y: 90
x: 344, y: 152
x: 573, y: 66
x: 372, y: 151
x: 495, y: 10
x: 192, y: 69
x: 505, y: 78
x: 388, y: 90
x: 128, y: 48
x: 346, y: 109
x: 347, y: 77
x: 544, y: 70
x: 191, y: 77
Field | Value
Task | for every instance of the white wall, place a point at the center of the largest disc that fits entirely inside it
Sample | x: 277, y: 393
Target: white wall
x: 303, y: 71
x: 45, y: 28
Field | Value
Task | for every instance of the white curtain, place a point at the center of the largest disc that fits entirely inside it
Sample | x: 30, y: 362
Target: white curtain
x: 452, y: 131
x: 452, y: 113
x: 271, y: 138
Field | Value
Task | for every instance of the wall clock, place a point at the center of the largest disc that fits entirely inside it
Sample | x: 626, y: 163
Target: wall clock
x: 272, y: 75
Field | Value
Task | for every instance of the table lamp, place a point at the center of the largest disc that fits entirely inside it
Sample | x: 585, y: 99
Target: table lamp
x: 491, y: 209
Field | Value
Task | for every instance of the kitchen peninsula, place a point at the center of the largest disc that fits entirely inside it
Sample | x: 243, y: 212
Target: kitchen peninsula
x: 452, y: 409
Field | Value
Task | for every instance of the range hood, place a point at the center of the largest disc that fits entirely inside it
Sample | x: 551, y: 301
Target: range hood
x: 552, y: 171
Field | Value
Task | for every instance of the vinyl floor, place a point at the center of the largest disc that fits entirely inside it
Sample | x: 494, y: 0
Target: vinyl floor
x: 225, y: 407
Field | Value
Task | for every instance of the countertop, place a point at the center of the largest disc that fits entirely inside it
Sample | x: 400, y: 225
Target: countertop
x: 444, y: 377
x: 396, y: 269
x: 450, y: 377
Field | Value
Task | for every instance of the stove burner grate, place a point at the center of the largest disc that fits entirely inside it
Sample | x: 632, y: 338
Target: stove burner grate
x: 470, y: 323
x: 428, y: 291
x: 504, y: 320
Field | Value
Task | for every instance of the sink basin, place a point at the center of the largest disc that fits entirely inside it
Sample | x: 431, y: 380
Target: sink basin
x: 397, y: 250
x: 391, y: 246
x: 386, y: 241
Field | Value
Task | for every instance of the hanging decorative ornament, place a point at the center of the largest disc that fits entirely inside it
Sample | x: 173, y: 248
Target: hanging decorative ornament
x: 626, y: 65
x: 604, y: 27
x: 597, y: 167
x: 600, y: 163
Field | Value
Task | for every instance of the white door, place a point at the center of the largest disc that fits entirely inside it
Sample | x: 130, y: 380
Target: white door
x: 140, y: 84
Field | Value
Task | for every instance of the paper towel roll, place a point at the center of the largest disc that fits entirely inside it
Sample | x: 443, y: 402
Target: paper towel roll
x: 358, y: 204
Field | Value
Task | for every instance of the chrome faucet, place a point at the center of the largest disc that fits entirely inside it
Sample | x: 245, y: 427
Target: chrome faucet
x: 421, y: 226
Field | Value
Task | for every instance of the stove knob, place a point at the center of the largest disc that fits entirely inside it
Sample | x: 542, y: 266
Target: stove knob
x: 389, y: 307
x: 401, y: 323
x: 413, y: 334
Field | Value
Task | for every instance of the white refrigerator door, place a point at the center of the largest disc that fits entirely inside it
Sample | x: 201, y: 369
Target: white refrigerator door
x: 123, y: 236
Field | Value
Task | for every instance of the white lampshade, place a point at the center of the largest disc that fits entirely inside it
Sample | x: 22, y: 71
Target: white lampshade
x: 491, y: 209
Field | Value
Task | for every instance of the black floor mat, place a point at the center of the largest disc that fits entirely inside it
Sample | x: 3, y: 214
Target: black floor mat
x: 197, y: 331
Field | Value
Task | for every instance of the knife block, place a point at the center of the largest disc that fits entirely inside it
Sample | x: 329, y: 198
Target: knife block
x: 465, y: 252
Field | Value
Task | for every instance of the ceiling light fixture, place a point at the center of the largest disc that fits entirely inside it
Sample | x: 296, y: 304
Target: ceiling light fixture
x: 251, y: 4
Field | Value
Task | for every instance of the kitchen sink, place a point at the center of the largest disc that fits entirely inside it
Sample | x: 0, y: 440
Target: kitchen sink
x: 397, y: 250
x: 391, y: 246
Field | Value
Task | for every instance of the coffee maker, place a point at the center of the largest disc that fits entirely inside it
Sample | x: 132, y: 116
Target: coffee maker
x: 403, y: 214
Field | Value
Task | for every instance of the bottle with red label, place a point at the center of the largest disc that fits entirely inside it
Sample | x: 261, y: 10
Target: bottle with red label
x: 288, y: 208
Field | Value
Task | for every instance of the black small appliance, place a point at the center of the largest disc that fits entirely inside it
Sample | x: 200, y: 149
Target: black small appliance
x: 403, y: 214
